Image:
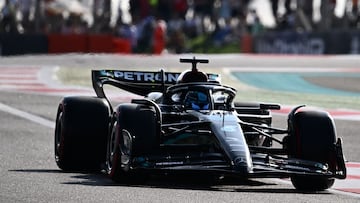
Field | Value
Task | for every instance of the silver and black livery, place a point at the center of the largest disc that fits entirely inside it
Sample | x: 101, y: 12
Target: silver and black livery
x: 188, y: 122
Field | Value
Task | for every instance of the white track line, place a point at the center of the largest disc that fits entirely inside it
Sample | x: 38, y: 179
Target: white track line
x: 28, y: 116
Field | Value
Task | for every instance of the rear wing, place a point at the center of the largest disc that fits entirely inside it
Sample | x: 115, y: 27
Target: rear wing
x: 137, y: 82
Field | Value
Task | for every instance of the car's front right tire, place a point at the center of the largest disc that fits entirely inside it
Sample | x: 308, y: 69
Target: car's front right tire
x: 82, y: 125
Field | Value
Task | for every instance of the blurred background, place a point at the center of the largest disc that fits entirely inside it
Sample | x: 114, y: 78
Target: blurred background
x: 179, y: 26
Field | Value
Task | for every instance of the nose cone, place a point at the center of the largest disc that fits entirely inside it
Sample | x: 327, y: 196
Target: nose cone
x: 243, y: 165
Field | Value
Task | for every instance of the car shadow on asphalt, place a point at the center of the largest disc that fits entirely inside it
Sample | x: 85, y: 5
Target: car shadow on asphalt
x: 189, y: 182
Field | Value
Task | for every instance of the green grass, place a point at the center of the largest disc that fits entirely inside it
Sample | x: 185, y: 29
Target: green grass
x: 203, y: 44
x: 75, y: 76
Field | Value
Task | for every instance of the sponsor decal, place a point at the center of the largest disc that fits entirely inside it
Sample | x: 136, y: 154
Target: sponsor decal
x: 169, y: 163
x: 145, y: 76
x: 239, y: 160
x: 307, y: 46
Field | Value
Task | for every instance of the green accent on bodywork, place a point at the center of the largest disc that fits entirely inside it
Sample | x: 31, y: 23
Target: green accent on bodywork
x: 177, y: 138
x: 107, y: 73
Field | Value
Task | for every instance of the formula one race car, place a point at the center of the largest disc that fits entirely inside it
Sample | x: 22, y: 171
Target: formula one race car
x: 188, y: 122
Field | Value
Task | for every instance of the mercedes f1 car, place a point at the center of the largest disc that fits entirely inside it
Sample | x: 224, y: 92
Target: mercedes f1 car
x: 189, y: 122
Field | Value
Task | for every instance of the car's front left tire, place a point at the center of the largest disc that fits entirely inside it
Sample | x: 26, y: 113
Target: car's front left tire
x: 134, y: 133
x: 313, y: 138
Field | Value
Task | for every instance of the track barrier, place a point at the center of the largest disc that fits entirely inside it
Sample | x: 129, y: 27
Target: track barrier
x: 265, y: 43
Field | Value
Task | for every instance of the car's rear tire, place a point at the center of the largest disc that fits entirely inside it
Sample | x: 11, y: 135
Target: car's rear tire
x: 314, y: 139
x: 82, y: 125
x: 138, y: 125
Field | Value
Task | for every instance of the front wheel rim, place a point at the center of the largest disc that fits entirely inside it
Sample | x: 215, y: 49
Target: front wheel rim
x: 58, y: 132
x: 111, y: 148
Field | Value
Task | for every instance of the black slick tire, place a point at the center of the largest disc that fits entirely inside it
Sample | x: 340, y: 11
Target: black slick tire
x: 82, y: 125
x: 313, y: 139
x: 135, y: 133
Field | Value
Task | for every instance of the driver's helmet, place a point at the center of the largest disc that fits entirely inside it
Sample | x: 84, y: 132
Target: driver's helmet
x: 196, y: 100
x: 192, y: 76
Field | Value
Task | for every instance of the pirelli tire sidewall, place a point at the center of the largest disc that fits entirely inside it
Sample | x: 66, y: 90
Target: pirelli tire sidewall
x: 141, y: 123
x: 82, y: 126
x: 313, y: 138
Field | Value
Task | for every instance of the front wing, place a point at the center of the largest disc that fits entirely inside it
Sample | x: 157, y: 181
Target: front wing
x: 264, y: 166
